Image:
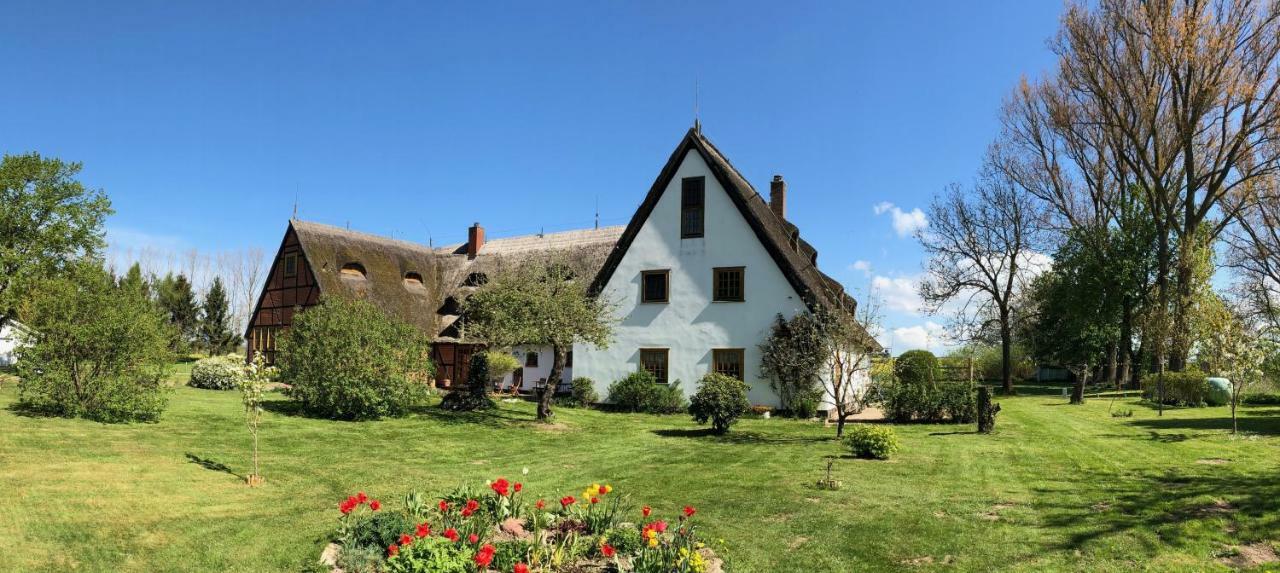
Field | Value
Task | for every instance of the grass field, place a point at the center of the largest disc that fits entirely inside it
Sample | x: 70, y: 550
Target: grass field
x: 1058, y: 487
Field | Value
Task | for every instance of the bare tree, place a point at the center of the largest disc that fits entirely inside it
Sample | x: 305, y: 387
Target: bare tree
x: 1255, y: 255
x: 981, y: 245
x: 850, y: 341
x: 1186, y: 96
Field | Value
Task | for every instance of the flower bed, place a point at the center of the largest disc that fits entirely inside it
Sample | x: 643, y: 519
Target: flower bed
x: 501, y: 529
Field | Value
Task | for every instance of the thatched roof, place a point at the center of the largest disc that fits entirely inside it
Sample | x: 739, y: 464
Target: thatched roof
x: 415, y: 282
x: 797, y: 259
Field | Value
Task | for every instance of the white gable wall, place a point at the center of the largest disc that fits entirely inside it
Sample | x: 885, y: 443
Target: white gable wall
x: 691, y: 325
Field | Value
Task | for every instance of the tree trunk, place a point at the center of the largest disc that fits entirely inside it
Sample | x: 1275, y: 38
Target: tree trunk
x: 1006, y: 352
x: 1113, y: 359
x: 1126, y: 342
x: 553, y: 380
x: 840, y: 415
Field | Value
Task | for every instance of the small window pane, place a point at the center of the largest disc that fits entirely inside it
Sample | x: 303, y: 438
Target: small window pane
x: 531, y: 359
x: 290, y: 265
x: 728, y: 285
x: 728, y: 361
x: 692, y: 207
x: 654, y: 361
x: 654, y: 286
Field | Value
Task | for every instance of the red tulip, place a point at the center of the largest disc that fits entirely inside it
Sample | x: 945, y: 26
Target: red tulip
x: 485, y: 556
x: 606, y: 550
x: 393, y: 550
x: 375, y: 505
x: 689, y: 511
x: 444, y: 506
x: 501, y: 487
x: 646, y: 510
x: 405, y: 539
x: 451, y: 534
x: 520, y: 568
x: 361, y: 497
x: 540, y: 505
x: 473, y: 538
x: 423, y: 530
x: 519, y: 486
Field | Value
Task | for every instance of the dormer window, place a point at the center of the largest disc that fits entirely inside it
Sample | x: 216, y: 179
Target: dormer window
x: 413, y: 280
x: 692, y: 206
x: 352, y: 271
x: 291, y: 265
x: 475, y: 280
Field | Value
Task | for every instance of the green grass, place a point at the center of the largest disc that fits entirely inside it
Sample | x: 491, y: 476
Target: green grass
x: 1058, y: 487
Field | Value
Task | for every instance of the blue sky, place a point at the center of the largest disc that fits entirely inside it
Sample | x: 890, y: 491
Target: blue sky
x: 204, y: 121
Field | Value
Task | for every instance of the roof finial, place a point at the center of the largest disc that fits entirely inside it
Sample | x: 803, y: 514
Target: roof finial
x: 597, y: 212
x: 295, y: 202
x: 697, y: 125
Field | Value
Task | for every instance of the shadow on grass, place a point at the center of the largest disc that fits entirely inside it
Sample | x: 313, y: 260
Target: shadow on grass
x: 733, y: 437
x: 955, y: 433
x: 495, y: 418
x: 211, y: 465
x: 1254, y: 424
x: 1174, y: 508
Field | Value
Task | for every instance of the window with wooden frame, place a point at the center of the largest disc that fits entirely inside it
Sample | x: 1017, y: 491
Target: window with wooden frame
x: 692, y: 207
x: 291, y: 265
x: 654, y: 361
x: 727, y: 284
x: 655, y: 286
x: 568, y: 359
x: 728, y: 361
x: 531, y: 359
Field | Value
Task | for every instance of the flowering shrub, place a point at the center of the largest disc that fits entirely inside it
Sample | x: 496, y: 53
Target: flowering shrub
x: 217, y: 373
x: 500, y: 528
x: 871, y: 442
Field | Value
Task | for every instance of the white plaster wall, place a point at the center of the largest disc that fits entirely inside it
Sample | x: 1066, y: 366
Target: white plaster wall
x: 691, y: 325
x: 9, y: 339
x: 542, y: 370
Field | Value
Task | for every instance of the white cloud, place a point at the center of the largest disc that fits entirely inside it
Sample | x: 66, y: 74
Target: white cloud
x: 905, y: 223
x: 929, y: 336
x: 898, y: 293
x: 861, y: 266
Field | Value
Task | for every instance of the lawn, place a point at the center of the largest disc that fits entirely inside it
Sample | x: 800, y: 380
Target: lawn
x: 1058, y: 487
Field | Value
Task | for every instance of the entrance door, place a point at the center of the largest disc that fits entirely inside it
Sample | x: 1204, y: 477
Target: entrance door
x: 517, y: 380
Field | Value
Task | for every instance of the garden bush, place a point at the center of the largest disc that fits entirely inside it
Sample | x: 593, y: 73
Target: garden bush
x: 666, y: 399
x: 720, y: 400
x: 100, y: 352
x: 217, y: 373
x: 871, y: 442
x: 634, y: 392
x: 500, y: 364
x: 582, y: 393
x: 1189, y: 388
x: 503, y: 528
x: 916, y: 367
x: 942, y: 403
x: 1261, y: 399
x: 346, y: 359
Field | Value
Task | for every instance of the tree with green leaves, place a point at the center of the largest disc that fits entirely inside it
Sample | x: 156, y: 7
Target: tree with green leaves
x: 1232, y: 348
x: 541, y: 302
x: 97, y: 351
x: 215, y: 321
x: 133, y: 280
x: 176, y: 297
x: 48, y: 220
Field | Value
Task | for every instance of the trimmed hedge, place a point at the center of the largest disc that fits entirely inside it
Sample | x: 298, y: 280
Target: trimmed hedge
x: 916, y: 367
x: 941, y: 403
x: 217, y: 373
x: 1190, y: 388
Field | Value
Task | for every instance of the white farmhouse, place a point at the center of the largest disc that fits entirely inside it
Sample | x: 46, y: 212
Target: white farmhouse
x: 699, y: 275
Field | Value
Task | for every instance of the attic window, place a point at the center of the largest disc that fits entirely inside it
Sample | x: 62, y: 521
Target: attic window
x: 475, y: 280
x: 352, y: 271
x: 412, y: 279
x: 692, y: 206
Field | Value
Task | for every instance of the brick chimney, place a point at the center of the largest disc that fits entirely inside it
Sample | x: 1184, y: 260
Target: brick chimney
x: 778, y: 196
x: 475, y: 240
